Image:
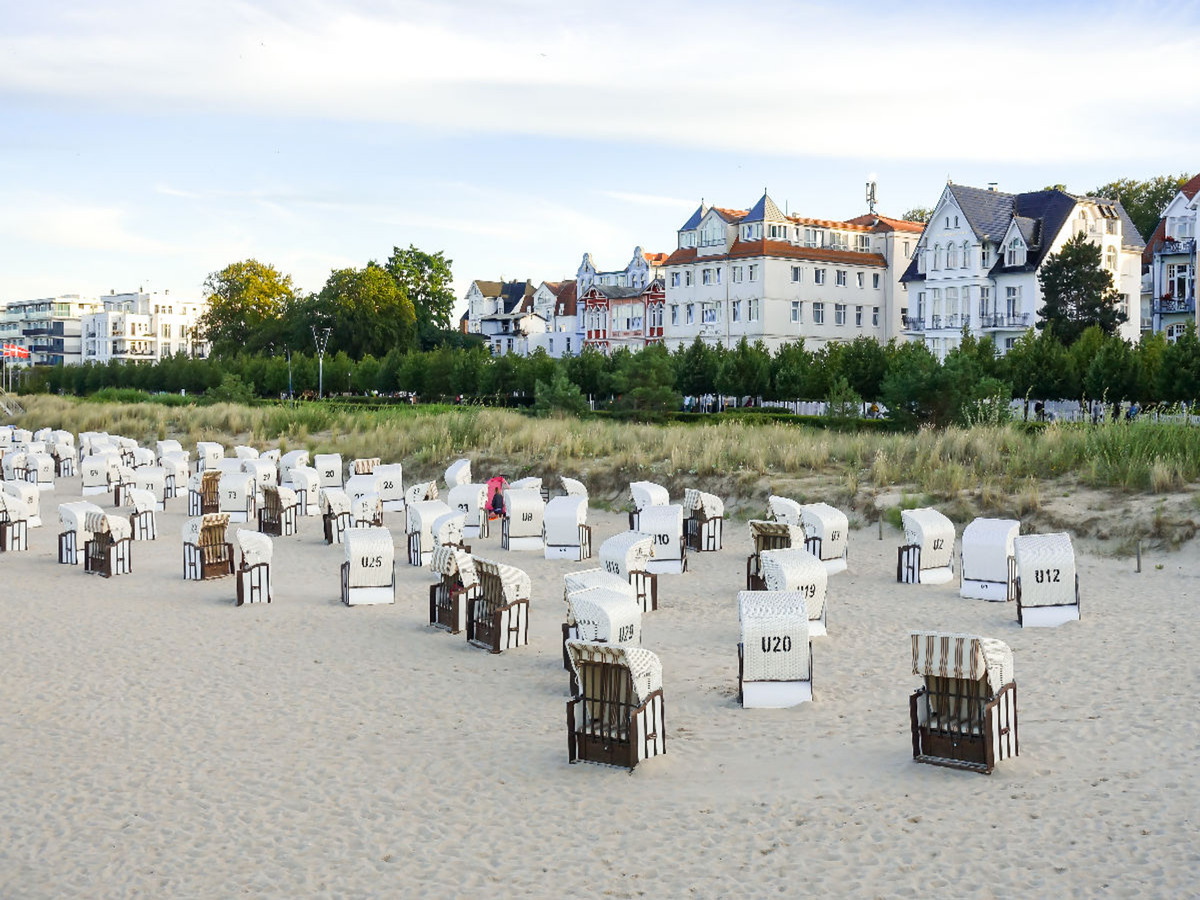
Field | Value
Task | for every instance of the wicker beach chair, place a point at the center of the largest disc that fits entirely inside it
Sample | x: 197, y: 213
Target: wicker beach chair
x: 369, y: 570
x: 264, y: 472
x: 204, y: 492
x: 14, y: 526
x: 458, y: 473
x: 329, y: 470
x: 175, y: 466
x: 421, y: 492
x: 566, y: 534
x: 705, y: 520
x: 531, y: 483
x: 206, y: 551
x: 254, y: 570
x: 628, y: 556
x: 616, y: 717
x: 450, y: 598
x: 826, y: 535
x: 524, y: 517
x: 237, y: 496
x: 499, y: 618
x: 766, y: 535
x: 364, y: 465
x: 927, y: 556
x: 208, y: 454
x: 24, y: 501
x: 162, y: 448
x: 1047, y: 583
x: 573, y: 488
x: 471, y: 501
x: 336, y: 517
x: 289, y: 461
x: 799, y: 572
x: 965, y: 713
x: 98, y: 471
x: 603, y: 615
x: 987, y: 569
x: 73, y: 534
x: 391, y: 486
x: 279, y: 513
x: 64, y: 459
x: 142, y: 523
x: 306, y: 485
x: 783, y: 509
x: 775, y: 668
x: 40, y: 469
x: 665, y: 525
x: 587, y: 580
x: 421, y: 515
x: 153, y: 480
x: 366, y: 511
x: 643, y: 494
x: 110, y: 550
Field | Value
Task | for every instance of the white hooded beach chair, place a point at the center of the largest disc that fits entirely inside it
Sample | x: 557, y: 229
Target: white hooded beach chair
x: 264, y: 473
x: 204, y: 492
x: 1047, y: 584
x: 361, y: 484
x: 14, y: 465
x: 450, y: 598
x: 152, y: 479
x: 126, y: 478
x: 243, y: 452
x: 73, y: 535
x: 421, y: 516
x: 289, y: 461
x: 207, y: 552
x: 587, y: 580
x: 391, y: 486
x: 643, y: 494
x: 307, y: 486
x: 530, y: 483
x: 471, y: 501
x: 143, y: 456
x: 965, y: 713
x: 705, y: 520
x: 826, y: 535
x: 142, y: 524
x: 329, y: 469
x: 573, y: 488
x: 14, y: 527
x: 369, y: 571
x: 98, y: 471
x: 254, y: 572
x: 366, y: 511
x: 364, y: 465
x: 566, y: 532
x: 162, y: 448
x: 110, y: 550
x: 421, y: 492
x: 524, y: 515
x: 987, y: 570
x: 602, y: 615
x: 24, y: 501
x: 40, y: 469
x: 208, y: 455
x: 279, y: 513
x: 64, y: 459
x: 775, y: 668
x: 616, y: 717
x: 448, y: 530
x: 458, y: 473
x: 799, y: 572
x: 628, y: 555
x: 175, y: 465
x: 783, y: 509
x: 499, y: 617
x: 927, y: 556
x: 336, y: 517
x: 665, y: 524
x: 237, y: 496
x: 767, y: 535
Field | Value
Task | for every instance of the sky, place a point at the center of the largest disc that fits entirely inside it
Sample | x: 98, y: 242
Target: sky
x: 144, y: 145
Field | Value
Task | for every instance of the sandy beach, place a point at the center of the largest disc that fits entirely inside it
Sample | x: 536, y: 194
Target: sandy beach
x: 159, y: 741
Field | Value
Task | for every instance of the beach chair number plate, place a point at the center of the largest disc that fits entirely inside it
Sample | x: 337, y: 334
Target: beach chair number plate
x: 527, y: 517
x: 939, y: 543
x: 372, y: 562
x: 1047, y: 576
x: 777, y: 644
x: 610, y: 566
x: 624, y: 634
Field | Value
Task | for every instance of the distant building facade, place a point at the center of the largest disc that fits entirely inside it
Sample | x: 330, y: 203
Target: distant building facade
x: 1169, y: 280
x: 143, y: 327
x: 49, y: 328
x: 629, y: 317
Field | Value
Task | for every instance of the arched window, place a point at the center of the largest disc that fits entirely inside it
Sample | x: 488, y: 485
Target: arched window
x: 952, y: 256
x: 1110, y: 259
x: 966, y: 254
x: 937, y: 256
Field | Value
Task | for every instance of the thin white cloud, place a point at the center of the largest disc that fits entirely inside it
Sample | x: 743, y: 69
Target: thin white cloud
x: 649, y: 199
x: 65, y: 225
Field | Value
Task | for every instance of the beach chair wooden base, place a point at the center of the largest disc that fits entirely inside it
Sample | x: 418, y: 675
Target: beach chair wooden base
x: 704, y: 535
x: 335, y: 525
x: 373, y: 595
x: 976, y: 741
x: 106, y: 557
x: 610, y: 730
x: 14, y: 536
x: 254, y: 584
x: 495, y: 627
x: 144, y: 526
x: 448, y: 604
x: 201, y: 563
x: 68, y: 551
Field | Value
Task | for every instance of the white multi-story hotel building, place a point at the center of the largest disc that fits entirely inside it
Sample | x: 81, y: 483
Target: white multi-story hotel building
x: 48, y: 328
x: 764, y: 275
x: 144, y: 327
x: 977, y: 262
x: 1170, y: 257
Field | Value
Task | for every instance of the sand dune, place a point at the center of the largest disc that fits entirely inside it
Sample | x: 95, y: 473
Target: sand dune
x: 159, y: 741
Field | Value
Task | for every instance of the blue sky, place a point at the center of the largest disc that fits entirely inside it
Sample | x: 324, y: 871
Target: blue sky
x: 145, y: 145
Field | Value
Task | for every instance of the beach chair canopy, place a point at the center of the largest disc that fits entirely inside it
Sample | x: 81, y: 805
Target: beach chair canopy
x: 305, y: 478
x: 798, y: 571
x: 99, y: 469
x: 962, y: 656
x: 932, y: 532
x: 563, y: 516
x: 986, y: 546
x: 643, y: 666
x: 334, y: 501
x: 458, y: 472
x: 329, y: 469
x: 468, y: 498
x: 152, y: 479
x: 141, y: 500
x: 525, y: 511
x: 291, y: 460
x: 208, y: 452
x: 599, y: 614
x: 421, y: 516
x: 161, y: 448
x: 710, y: 505
x: 448, y: 528
x: 22, y: 499
x: 627, y: 552
x: 364, y: 466
x: 143, y: 456
x: 272, y: 456
x: 371, y: 556
x: 176, y: 463
x: 422, y: 492
x: 829, y: 524
x: 391, y: 481
x: 366, y: 483
x: 452, y: 561
x: 256, y: 547
x: 588, y: 579
x: 764, y: 533
x: 643, y: 494
x: 1046, y: 567
x: 531, y: 483
x: 783, y: 509
x: 774, y: 628
x: 117, y: 527
x: 573, y: 488
x: 243, y: 452
x: 72, y: 516
x: 514, y: 582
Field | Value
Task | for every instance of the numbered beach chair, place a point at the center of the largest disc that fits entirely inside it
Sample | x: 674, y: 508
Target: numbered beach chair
x: 471, y: 501
x: 927, y: 556
x: 603, y: 615
x: 73, y: 535
x: 307, y: 487
x: 826, y: 535
x: 142, y: 523
x: 1047, y: 584
x: 705, y: 520
x: 616, y: 717
x: 391, y: 486
x: 369, y: 571
x: 40, y: 469
x: 628, y: 556
x: 588, y: 579
x: 665, y: 525
x: 329, y: 470
x: 206, y: 551
x: 279, y: 513
x: 142, y: 457
x: 965, y: 713
x: 126, y: 478
x: 573, y: 488
x: 765, y: 535
x: 421, y: 516
x: 204, y: 492
x: 162, y: 448
x: 289, y: 461
x: 110, y: 550
x: 14, y: 526
x: 799, y: 572
x: 263, y: 472
x: 361, y: 484
x: 152, y: 480
x: 775, y: 664
x: 450, y: 598
x: 783, y: 509
x: 243, y: 452
x: 208, y: 455
x: 13, y: 465
x: 524, y: 515
x: 566, y: 532
x: 336, y: 518
x: 530, y: 483
x: 98, y: 471
x: 175, y: 467
x: 458, y: 473
x: 987, y: 569
x: 448, y: 530
x: 64, y: 459
x: 364, y: 465
x: 237, y: 496
x: 499, y: 617
x: 421, y: 492
x: 366, y: 511
x: 254, y: 571
x: 24, y: 501
x: 644, y: 494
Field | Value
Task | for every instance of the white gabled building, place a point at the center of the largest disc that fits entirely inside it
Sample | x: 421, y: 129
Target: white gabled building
x: 764, y: 275
x: 502, y: 312
x: 1170, y: 258
x: 137, y: 326
x: 555, y: 302
x: 978, y: 259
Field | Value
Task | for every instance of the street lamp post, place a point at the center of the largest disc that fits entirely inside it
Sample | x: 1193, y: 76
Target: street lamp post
x: 321, y: 339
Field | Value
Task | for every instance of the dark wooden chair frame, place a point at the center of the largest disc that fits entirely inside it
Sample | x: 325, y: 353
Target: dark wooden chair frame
x: 260, y: 582
x: 693, y: 528
x: 965, y: 743
x: 208, y: 559
x: 106, y: 557
x: 611, y: 735
x: 276, y: 519
x: 485, y: 615
x: 754, y: 576
x: 445, y: 602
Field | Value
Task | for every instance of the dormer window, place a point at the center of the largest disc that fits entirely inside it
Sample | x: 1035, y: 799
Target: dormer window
x: 712, y: 233
x: 1015, y: 255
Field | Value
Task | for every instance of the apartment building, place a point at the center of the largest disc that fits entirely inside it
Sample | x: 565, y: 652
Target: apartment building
x: 143, y: 327
x: 49, y: 328
x: 1169, y: 263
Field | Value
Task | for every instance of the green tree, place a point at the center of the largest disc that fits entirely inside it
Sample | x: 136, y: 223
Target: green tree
x: 1078, y: 292
x: 558, y: 397
x: 920, y: 214
x: 1179, y: 373
x: 646, y: 381
x: 745, y: 371
x: 696, y: 369
x: 1143, y: 200
x: 246, y: 301
x: 912, y: 388
x: 791, y: 372
x: 424, y: 278
x: 366, y: 310
x: 1038, y: 366
x: 1112, y: 373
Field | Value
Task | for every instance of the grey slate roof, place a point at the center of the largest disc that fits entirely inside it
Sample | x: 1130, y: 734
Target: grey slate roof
x: 694, y: 222
x: 764, y: 209
x: 988, y: 212
x: 612, y: 292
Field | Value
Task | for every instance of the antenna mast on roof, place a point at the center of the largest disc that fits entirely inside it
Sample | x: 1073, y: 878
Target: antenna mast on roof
x: 871, y: 197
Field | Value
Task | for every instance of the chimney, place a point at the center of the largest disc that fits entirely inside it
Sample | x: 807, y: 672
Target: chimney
x: 992, y: 186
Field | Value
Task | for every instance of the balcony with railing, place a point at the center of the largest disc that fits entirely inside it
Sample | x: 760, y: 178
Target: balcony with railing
x: 1187, y: 245
x: 1167, y: 304
x: 914, y: 323
x: 955, y: 321
x: 997, y: 320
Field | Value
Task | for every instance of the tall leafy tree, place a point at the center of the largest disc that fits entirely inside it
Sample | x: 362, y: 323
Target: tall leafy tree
x: 366, y: 311
x: 791, y: 372
x: 1038, y: 366
x: 425, y: 279
x: 1078, y: 292
x: 918, y: 214
x: 246, y: 301
x: 1143, y: 200
x: 1179, y: 372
